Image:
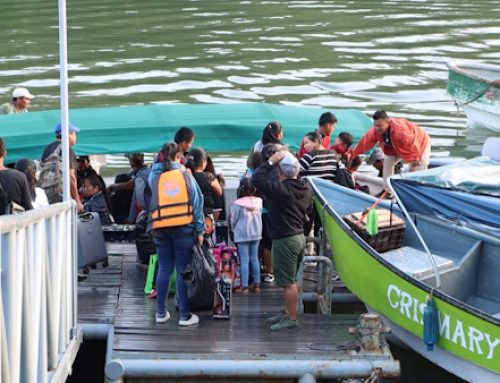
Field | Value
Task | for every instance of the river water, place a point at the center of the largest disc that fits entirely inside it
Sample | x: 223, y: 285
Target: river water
x: 335, y: 54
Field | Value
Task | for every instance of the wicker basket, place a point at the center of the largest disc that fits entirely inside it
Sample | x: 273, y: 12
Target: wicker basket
x: 391, y: 229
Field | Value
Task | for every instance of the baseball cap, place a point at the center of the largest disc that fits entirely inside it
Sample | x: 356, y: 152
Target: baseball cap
x: 22, y: 92
x: 376, y: 155
x: 72, y: 128
x: 289, y: 165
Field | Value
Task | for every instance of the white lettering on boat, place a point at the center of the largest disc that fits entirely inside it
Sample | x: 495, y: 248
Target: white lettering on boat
x: 466, y: 336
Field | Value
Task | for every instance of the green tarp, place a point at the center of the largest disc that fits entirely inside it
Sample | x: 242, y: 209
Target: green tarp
x: 218, y: 127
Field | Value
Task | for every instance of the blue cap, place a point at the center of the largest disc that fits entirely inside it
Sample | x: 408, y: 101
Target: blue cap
x: 72, y: 128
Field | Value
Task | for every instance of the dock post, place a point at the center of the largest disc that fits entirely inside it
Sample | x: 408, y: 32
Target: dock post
x: 307, y: 378
x: 324, y: 294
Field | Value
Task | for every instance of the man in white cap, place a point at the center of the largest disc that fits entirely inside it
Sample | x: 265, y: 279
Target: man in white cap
x: 290, y: 200
x: 21, y: 100
x: 376, y: 159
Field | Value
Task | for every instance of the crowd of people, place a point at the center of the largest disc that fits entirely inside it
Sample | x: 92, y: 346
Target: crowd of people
x: 180, y: 195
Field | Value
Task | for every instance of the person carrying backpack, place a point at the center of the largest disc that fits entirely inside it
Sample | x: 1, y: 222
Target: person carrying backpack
x: 175, y: 222
x: 51, y: 168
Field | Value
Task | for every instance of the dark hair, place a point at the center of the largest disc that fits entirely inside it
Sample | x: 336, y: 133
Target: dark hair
x: 268, y: 150
x: 28, y: 167
x: 355, y: 162
x: 94, y: 181
x: 346, y: 138
x: 123, y: 177
x: 256, y: 159
x: 246, y: 188
x: 86, y: 158
x: 210, y: 168
x: 195, y: 158
x: 168, y: 152
x: 183, y: 134
x: 271, y: 132
x: 380, y: 114
x: 314, y: 137
x: 326, y: 118
x: 2, y: 148
x: 136, y: 159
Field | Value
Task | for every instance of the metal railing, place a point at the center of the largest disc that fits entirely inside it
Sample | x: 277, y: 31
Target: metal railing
x: 39, y: 338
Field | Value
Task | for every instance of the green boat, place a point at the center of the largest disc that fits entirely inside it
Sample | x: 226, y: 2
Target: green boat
x: 476, y: 88
x: 144, y: 128
x: 396, y: 283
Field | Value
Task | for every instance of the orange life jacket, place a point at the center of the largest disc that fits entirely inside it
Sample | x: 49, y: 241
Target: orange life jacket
x: 170, y: 201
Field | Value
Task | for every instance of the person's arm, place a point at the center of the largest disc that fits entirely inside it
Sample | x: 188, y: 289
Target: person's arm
x: 73, y: 188
x: 127, y: 186
x: 25, y: 195
x: 216, y: 187
x: 367, y: 142
x: 259, y: 177
x: 305, y: 163
x: 196, y: 198
x: 233, y: 217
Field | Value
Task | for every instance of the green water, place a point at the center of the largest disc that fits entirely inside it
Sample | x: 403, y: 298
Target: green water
x: 355, y: 54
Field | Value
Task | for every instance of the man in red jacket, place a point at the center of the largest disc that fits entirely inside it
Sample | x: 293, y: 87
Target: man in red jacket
x: 400, y: 140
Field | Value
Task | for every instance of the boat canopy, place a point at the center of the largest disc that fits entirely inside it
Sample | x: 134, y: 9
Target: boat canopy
x: 467, y: 192
x: 144, y: 128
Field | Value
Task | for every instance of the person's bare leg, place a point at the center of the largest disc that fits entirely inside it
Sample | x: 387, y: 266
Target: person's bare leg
x: 291, y: 297
x: 268, y: 260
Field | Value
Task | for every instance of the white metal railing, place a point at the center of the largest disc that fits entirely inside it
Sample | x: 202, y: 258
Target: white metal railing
x: 38, y: 306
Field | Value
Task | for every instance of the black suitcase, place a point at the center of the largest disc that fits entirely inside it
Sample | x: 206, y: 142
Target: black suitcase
x: 91, y: 248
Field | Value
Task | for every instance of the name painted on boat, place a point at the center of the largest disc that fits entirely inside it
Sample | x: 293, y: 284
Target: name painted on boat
x: 464, y: 335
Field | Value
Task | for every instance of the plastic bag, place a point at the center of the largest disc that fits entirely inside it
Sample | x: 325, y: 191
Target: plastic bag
x: 199, y: 277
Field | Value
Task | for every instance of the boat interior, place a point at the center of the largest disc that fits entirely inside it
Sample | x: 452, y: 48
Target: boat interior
x: 468, y: 262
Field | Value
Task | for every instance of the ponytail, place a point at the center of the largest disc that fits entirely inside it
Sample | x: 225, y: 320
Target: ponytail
x: 195, y: 158
x: 271, y: 133
x: 168, y: 152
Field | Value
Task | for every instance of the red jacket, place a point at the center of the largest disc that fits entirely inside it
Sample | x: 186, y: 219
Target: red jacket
x: 408, y: 140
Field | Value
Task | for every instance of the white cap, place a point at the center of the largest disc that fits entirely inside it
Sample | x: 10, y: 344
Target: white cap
x: 289, y: 165
x: 22, y: 92
x: 376, y: 155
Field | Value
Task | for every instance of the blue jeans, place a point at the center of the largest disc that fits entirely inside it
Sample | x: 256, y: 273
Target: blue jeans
x: 249, y: 259
x: 174, y: 247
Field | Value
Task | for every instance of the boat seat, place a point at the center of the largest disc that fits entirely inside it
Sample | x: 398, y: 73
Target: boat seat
x: 416, y: 262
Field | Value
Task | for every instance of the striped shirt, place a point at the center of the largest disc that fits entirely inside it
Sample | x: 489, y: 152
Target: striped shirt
x: 320, y: 163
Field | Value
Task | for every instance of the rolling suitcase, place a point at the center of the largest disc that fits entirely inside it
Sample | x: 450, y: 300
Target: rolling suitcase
x: 91, y: 248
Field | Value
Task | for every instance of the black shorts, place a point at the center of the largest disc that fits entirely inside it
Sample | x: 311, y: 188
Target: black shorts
x: 265, y: 242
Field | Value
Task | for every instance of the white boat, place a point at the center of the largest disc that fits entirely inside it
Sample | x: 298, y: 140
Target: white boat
x: 476, y: 88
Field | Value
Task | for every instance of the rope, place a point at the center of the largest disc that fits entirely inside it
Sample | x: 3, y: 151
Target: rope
x: 481, y: 94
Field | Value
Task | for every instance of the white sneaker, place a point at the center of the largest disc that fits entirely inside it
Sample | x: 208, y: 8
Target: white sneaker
x: 193, y: 319
x: 162, y: 318
x: 269, y: 278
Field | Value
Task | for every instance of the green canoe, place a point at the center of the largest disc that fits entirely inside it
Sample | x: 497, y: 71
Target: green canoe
x: 218, y: 127
x: 396, y: 283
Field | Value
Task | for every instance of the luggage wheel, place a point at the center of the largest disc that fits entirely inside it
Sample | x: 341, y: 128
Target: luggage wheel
x: 93, y: 266
x: 86, y: 270
x: 105, y: 264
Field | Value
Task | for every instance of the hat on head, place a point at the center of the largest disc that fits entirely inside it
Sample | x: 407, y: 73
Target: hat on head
x: 376, y: 155
x: 22, y: 92
x: 289, y: 165
x: 72, y: 128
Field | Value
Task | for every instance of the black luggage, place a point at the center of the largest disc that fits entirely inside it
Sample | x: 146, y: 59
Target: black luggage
x: 143, y: 241
x: 91, y: 248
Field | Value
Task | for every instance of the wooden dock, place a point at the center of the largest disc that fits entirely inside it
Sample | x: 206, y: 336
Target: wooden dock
x: 114, y: 295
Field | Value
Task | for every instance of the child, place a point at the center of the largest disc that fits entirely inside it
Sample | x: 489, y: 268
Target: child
x: 342, y: 143
x: 94, y: 199
x: 246, y: 223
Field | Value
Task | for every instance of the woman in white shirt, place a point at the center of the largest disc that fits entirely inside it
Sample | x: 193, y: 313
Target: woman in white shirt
x: 38, y: 196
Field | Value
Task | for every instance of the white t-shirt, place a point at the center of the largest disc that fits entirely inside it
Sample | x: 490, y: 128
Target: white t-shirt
x: 41, y: 199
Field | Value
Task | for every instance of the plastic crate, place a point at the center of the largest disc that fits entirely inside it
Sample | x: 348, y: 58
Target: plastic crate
x: 391, y: 230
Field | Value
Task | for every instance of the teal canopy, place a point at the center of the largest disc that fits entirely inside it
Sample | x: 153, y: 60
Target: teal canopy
x: 144, y: 128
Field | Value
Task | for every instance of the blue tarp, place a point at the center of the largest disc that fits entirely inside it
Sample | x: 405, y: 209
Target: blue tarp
x: 470, y: 199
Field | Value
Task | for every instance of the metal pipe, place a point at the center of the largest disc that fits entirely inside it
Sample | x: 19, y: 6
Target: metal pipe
x: 63, y: 75
x: 419, y: 236
x: 269, y: 369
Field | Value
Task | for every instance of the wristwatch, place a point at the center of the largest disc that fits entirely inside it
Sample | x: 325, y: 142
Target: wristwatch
x: 270, y: 163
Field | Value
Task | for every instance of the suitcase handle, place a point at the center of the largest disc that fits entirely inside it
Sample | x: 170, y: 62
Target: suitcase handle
x: 85, y: 217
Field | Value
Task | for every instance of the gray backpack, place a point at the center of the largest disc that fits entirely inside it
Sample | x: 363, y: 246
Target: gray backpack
x: 51, y: 176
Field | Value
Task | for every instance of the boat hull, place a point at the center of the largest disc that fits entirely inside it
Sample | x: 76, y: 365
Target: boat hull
x: 400, y: 299
x: 471, y: 84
